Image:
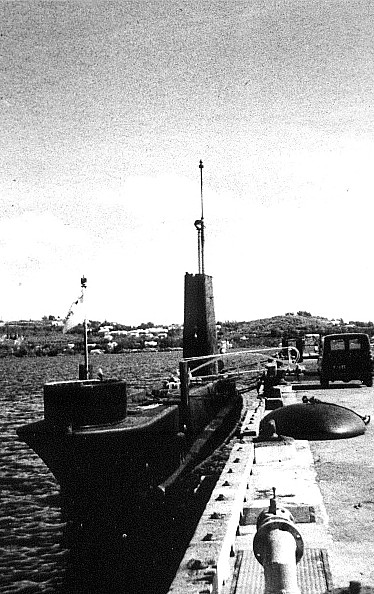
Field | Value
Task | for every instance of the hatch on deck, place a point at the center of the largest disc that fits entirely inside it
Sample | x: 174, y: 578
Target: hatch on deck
x: 315, y: 420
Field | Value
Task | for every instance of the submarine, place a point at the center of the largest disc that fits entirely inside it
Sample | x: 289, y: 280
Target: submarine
x: 109, y: 454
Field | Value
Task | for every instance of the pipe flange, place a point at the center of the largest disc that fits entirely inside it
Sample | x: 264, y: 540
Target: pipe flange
x: 275, y: 523
x: 280, y: 513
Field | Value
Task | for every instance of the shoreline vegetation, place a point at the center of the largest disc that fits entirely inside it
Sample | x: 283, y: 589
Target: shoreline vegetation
x: 39, y: 338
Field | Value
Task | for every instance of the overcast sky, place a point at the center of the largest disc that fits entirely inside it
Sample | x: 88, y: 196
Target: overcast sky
x: 106, y: 110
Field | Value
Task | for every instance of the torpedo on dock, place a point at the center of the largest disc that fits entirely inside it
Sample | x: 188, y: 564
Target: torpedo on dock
x: 315, y: 420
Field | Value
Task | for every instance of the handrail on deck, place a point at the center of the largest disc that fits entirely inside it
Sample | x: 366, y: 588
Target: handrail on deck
x: 216, y: 356
x: 185, y: 373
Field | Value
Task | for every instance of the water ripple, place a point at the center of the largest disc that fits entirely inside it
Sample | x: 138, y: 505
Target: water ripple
x: 34, y: 556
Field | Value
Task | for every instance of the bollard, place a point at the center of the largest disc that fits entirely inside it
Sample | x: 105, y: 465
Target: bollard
x: 278, y: 546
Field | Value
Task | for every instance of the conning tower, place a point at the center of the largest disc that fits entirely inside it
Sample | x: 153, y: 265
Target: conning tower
x: 199, y: 333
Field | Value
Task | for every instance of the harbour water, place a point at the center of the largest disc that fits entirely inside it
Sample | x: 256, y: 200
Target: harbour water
x: 37, y: 553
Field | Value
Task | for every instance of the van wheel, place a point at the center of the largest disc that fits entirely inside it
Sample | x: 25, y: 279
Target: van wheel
x: 368, y: 381
x: 324, y: 382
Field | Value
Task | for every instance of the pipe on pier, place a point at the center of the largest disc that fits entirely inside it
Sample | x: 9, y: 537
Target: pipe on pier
x: 278, y: 546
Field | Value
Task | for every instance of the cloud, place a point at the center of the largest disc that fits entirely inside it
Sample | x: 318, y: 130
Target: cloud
x: 135, y: 241
x: 149, y: 199
x: 38, y: 253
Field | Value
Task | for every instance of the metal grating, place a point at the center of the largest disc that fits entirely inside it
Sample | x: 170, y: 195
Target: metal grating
x: 313, y: 573
x: 302, y: 514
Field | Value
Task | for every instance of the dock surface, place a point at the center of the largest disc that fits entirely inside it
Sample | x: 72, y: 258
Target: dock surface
x: 328, y: 486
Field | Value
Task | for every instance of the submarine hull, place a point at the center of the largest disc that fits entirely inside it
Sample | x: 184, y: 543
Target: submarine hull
x: 110, y: 470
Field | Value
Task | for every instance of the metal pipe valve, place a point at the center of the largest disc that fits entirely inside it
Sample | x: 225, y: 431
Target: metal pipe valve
x: 278, y: 546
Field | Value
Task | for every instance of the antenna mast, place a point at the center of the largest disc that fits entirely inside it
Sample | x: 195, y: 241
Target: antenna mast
x: 199, y: 224
x: 86, y: 367
x: 201, y: 166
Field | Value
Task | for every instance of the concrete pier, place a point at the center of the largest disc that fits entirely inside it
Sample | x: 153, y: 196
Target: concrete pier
x: 220, y: 556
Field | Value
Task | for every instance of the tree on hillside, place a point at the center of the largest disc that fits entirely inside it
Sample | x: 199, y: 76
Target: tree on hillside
x: 276, y: 332
x: 145, y: 325
x: 304, y: 314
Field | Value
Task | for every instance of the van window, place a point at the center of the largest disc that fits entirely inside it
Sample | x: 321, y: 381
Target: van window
x: 337, y: 345
x: 355, y: 344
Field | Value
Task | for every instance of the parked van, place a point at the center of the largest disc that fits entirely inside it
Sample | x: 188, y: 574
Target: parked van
x: 345, y: 357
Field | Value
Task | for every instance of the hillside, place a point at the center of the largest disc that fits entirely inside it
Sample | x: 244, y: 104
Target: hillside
x: 268, y: 331
x: 38, y: 338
